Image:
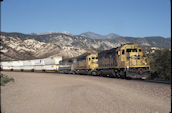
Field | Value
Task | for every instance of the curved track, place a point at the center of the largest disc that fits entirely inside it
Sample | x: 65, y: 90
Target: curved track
x: 59, y: 93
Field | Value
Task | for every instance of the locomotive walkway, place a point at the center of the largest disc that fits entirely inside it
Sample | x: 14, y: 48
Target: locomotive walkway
x: 59, y: 93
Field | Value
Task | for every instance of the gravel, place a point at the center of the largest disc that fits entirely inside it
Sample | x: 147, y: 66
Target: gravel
x: 60, y: 93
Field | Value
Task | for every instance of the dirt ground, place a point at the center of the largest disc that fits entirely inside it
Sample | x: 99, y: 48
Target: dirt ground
x: 59, y: 93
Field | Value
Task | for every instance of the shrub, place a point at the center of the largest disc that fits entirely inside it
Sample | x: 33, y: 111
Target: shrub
x: 5, y: 79
x: 160, y: 64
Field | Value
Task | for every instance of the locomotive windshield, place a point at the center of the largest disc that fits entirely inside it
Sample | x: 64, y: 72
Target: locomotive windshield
x: 94, y: 58
x: 131, y: 50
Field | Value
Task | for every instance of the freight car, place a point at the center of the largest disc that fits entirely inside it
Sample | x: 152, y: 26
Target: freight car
x: 51, y: 64
x: 6, y: 66
x: 122, y: 62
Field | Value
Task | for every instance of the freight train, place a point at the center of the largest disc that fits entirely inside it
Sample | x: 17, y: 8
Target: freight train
x: 126, y: 61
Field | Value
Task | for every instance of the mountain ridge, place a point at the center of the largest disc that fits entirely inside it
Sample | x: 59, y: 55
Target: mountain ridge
x: 67, y: 45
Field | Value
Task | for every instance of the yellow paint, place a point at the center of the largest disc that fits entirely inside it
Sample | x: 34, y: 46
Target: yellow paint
x: 134, y: 58
x: 90, y: 62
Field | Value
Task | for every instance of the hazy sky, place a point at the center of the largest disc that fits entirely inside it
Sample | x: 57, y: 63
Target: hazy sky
x: 136, y: 18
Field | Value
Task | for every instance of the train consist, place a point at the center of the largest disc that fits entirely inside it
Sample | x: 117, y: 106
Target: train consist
x: 122, y: 62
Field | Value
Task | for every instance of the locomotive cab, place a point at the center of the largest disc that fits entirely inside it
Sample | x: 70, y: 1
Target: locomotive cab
x: 131, y: 58
x: 86, y: 64
x: 92, y: 61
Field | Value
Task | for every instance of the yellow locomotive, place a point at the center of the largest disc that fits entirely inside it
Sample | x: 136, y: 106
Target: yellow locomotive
x: 124, y: 61
x: 86, y: 64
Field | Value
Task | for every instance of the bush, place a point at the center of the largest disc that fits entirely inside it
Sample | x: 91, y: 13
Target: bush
x: 5, y: 79
x: 160, y: 64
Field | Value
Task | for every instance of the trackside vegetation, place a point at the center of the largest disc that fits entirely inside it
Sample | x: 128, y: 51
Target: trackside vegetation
x: 5, y: 79
x: 160, y: 64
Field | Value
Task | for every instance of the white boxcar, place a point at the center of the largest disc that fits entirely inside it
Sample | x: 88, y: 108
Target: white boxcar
x: 17, y: 63
x: 51, y: 67
x: 52, y: 60
x: 37, y: 62
x: 27, y: 63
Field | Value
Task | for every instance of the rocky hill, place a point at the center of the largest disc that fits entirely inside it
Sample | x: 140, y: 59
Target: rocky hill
x: 98, y: 36
x: 15, y: 46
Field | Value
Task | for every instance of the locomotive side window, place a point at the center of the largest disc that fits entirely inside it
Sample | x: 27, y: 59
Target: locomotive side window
x: 123, y: 52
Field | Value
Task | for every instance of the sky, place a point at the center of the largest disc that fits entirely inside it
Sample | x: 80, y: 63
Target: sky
x: 136, y: 18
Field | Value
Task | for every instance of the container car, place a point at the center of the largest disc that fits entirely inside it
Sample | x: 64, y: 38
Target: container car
x: 37, y: 62
x: 38, y: 68
x: 27, y: 68
x: 28, y: 63
x: 6, y: 66
x: 52, y: 60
